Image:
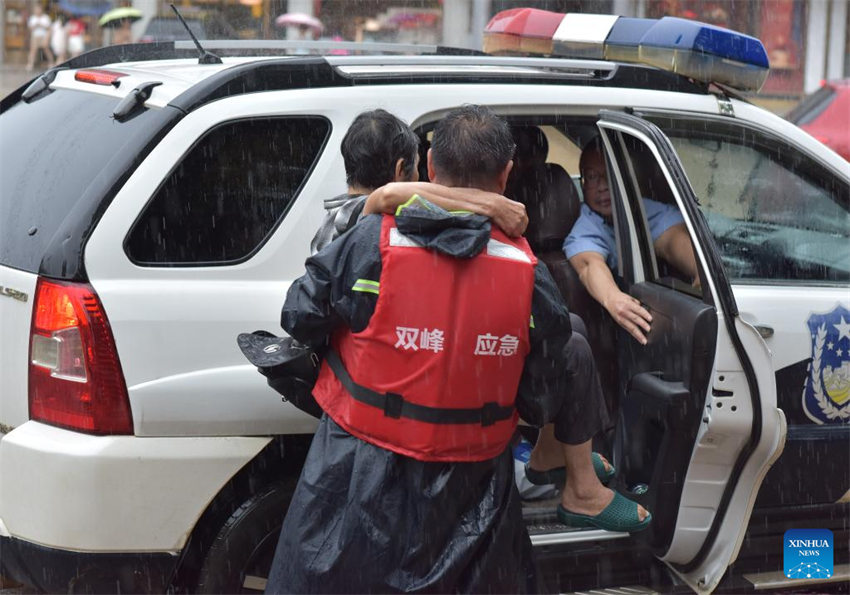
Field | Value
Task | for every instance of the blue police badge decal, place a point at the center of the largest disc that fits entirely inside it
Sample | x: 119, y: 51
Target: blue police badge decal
x: 826, y: 394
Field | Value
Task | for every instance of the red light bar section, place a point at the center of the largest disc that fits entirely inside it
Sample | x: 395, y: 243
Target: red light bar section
x: 99, y: 77
x: 526, y: 30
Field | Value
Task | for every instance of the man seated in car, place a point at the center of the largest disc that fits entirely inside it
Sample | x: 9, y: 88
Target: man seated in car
x: 592, y: 250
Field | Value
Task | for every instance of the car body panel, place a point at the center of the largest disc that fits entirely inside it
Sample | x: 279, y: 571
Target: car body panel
x: 112, y: 493
x: 17, y: 296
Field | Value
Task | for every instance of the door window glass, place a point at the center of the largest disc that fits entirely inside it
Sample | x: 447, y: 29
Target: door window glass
x: 777, y: 216
x: 666, y: 253
x: 229, y: 193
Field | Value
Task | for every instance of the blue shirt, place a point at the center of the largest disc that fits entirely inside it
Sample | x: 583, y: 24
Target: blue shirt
x: 592, y: 234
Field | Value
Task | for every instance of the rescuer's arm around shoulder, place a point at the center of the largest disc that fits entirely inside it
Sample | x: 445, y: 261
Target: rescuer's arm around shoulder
x: 508, y: 214
x: 545, y: 379
x: 323, y: 298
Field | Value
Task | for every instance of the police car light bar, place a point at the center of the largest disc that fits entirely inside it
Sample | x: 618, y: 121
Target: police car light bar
x: 696, y: 50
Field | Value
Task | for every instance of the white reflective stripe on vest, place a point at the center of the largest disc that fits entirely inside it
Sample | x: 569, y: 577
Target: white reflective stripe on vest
x: 399, y: 239
x: 494, y: 247
x: 502, y: 250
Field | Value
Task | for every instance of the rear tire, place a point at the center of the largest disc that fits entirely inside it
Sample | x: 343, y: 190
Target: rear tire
x: 240, y: 557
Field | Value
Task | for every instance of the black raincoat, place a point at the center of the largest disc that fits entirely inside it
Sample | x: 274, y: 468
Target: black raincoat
x: 367, y: 520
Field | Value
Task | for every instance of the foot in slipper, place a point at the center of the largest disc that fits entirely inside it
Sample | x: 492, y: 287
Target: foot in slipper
x: 620, y: 515
x: 558, y: 475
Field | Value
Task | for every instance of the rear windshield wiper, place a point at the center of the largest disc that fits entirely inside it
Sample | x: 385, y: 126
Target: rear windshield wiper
x: 42, y: 83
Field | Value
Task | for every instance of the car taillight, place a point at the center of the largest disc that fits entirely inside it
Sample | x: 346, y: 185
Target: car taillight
x: 75, y: 377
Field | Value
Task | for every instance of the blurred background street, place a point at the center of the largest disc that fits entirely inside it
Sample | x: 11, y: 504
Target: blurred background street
x: 12, y: 76
x: 806, y: 40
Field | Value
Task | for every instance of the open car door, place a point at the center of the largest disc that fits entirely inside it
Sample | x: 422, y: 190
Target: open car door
x: 698, y: 426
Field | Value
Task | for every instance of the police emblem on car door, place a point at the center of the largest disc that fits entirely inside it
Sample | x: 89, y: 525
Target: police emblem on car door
x: 826, y: 395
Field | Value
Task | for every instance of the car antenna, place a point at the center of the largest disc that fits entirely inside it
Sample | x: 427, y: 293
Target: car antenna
x: 205, y: 57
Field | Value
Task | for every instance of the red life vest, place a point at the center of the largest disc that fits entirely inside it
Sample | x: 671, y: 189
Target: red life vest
x: 436, y: 371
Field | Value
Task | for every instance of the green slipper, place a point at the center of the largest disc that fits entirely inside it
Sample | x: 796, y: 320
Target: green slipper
x: 620, y: 515
x: 558, y: 475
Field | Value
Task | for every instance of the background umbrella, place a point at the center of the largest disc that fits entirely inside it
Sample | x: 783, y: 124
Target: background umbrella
x: 299, y: 19
x: 114, y: 17
x: 83, y: 8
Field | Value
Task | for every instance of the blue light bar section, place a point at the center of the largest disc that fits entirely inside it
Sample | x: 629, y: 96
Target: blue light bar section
x: 697, y: 50
x: 623, y: 42
x: 682, y: 34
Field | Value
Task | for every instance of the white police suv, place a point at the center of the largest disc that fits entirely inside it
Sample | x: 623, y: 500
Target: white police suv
x: 153, y: 205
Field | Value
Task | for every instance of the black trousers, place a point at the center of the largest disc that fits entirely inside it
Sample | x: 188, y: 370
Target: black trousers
x: 583, y: 412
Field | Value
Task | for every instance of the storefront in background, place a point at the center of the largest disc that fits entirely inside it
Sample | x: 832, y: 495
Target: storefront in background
x: 806, y: 40
x: 15, y: 14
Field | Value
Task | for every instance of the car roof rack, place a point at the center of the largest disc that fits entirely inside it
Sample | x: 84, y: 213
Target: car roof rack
x: 231, y: 47
x: 305, y: 72
x: 176, y: 50
x: 430, y: 64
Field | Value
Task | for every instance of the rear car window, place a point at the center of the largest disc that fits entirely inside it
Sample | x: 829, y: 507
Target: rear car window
x: 51, y: 151
x: 229, y: 193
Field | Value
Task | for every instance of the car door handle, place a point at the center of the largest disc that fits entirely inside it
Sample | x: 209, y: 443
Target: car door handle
x: 765, y: 331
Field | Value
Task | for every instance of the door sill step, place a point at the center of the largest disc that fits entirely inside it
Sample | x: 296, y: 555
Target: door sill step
x: 778, y: 580
x: 631, y: 590
x: 545, y: 529
x: 558, y: 534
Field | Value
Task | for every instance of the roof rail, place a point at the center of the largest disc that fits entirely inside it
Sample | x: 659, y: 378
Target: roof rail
x: 312, y: 72
x: 173, y: 50
x: 358, y: 65
x: 278, y: 46
x: 131, y: 52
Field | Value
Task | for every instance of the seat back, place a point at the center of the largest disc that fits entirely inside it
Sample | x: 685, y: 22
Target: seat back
x: 553, y: 205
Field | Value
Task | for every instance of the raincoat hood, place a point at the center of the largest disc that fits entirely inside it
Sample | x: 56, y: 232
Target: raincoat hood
x: 459, y: 234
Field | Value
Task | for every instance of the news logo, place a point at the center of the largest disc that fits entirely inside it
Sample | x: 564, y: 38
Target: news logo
x: 808, y: 553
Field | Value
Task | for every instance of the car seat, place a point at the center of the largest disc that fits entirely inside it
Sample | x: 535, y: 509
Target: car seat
x: 553, y: 205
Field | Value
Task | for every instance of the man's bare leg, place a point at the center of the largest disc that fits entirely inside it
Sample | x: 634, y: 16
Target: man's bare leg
x: 583, y: 492
x: 547, y: 453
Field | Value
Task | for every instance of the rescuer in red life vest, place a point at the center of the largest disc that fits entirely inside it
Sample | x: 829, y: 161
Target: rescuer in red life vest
x: 443, y: 332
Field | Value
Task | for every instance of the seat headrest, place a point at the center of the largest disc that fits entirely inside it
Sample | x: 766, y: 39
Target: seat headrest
x: 552, y: 210
x: 546, y: 190
x: 531, y: 144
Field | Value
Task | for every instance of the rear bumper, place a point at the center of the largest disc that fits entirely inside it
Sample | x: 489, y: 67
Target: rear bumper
x: 58, y: 571
x: 111, y: 494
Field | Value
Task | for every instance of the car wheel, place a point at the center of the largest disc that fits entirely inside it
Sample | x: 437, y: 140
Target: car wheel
x: 240, y: 557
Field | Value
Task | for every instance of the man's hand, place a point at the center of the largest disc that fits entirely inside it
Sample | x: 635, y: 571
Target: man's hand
x: 629, y: 314
x: 509, y: 215
x: 599, y: 282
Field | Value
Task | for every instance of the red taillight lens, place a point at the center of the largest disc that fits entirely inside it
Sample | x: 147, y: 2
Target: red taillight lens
x: 75, y: 377
x: 99, y: 77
